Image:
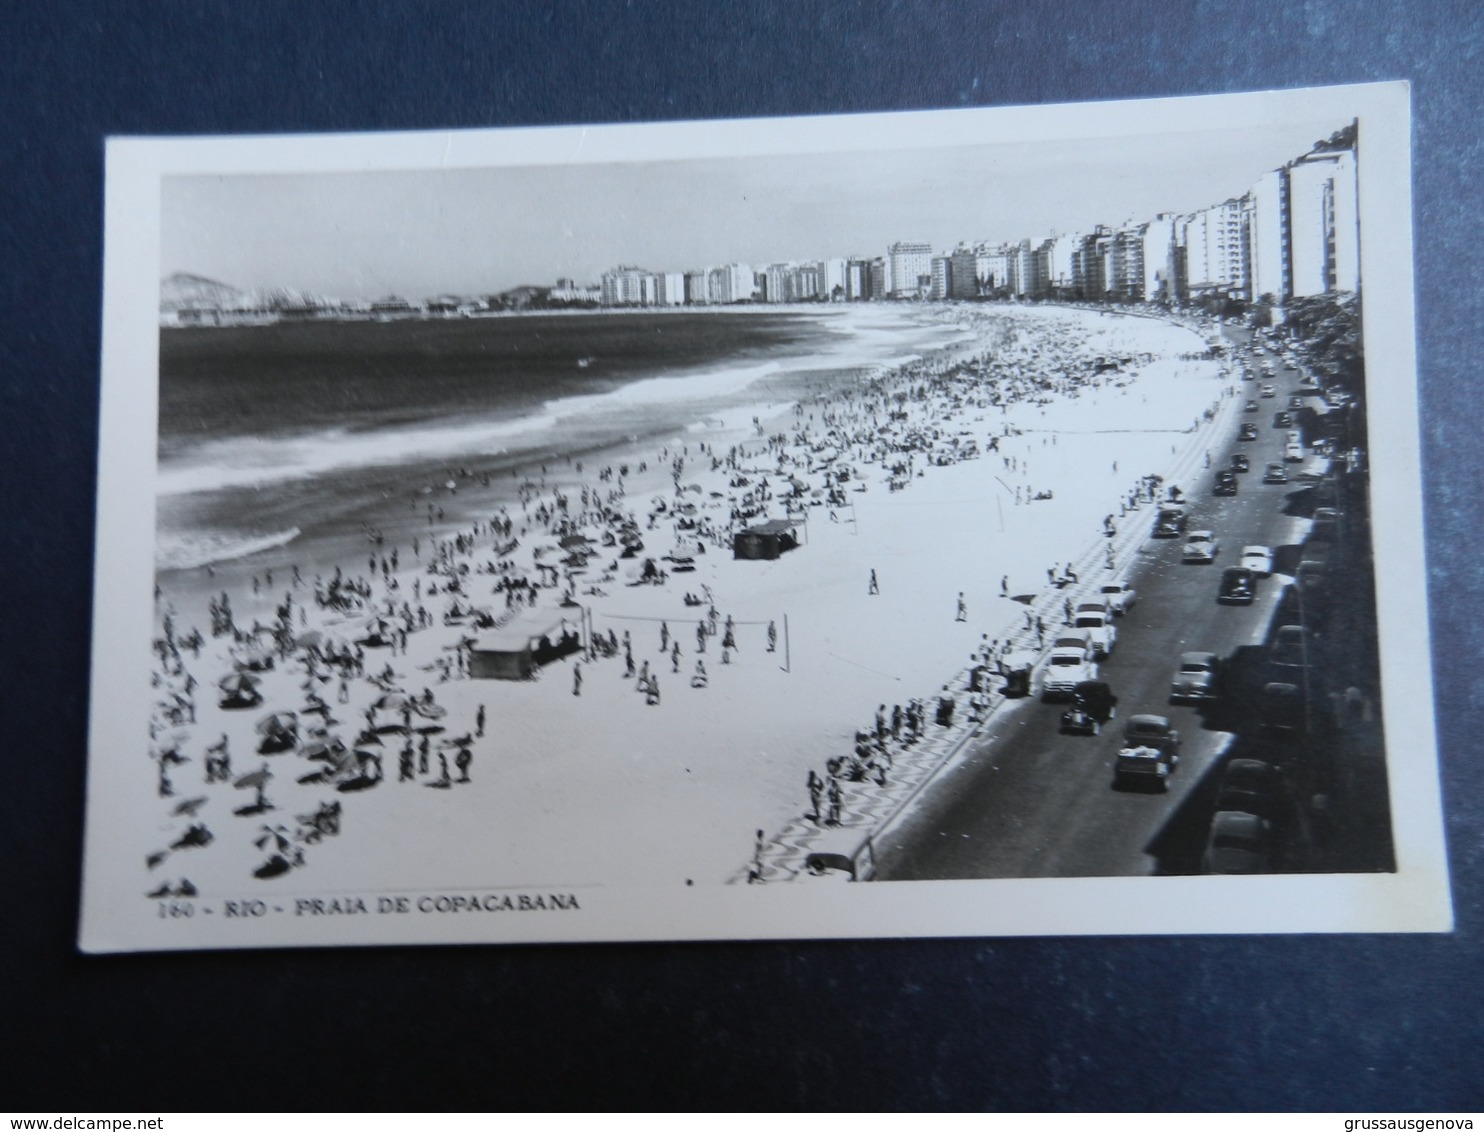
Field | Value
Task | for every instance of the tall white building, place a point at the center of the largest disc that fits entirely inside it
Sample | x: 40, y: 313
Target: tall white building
x: 909, y: 269
x: 1324, y: 222
x: 1215, y: 246
x: 1268, y: 246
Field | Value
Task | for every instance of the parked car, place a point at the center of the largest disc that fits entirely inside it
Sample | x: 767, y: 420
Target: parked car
x: 1282, y: 420
x: 1196, y: 678
x: 1070, y: 664
x: 839, y: 855
x: 1250, y: 786
x: 1238, y: 586
x: 1119, y: 596
x: 1282, y: 708
x: 1290, y: 648
x: 1258, y: 559
x: 1276, y: 473
x: 1094, y: 619
x: 1170, y: 522
x: 1296, y: 403
x: 1200, y: 546
x: 1238, y: 843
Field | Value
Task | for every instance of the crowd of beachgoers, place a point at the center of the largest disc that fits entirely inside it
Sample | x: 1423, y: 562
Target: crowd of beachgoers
x: 317, y: 700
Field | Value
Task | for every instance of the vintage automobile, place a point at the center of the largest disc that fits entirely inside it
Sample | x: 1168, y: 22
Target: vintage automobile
x: 840, y: 855
x: 1150, y: 752
x: 1119, y: 597
x: 1266, y: 390
x: 1247, y: 432
x: 1170, y: 522
x: 1196, y: 678
x: 1238, y: 843
x: 1240, y: 463
x: 1283, y: 420
x: 1226, y: 483
x: 1070, y: 664
x: 1238, y: 586
x: 1250, y: 786
x: 1250, y: 407
x: 1258, y: 559
x: 1275, y: 473
x: 1200, y: 547
x: 1093, y: 704
x: 1093, y: 619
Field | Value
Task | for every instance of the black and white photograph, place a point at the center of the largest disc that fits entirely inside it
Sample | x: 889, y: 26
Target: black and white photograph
x: 977, y: 522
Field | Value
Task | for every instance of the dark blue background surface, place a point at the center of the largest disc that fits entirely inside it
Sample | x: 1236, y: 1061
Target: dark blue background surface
x: 1346, y: 1022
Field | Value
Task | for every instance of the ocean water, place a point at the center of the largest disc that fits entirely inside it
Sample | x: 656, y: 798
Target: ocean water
x: 281, y: 444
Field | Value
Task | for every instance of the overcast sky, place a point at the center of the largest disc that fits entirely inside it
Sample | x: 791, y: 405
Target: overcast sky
x: 470, y: 231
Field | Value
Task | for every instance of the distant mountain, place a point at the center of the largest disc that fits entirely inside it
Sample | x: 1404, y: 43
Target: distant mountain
x: 183, y: 291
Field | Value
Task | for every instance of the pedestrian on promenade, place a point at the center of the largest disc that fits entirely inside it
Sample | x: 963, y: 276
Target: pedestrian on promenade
x: 772, y: 637
x: 874, y: 587
x: 1005, y: 585
x: 576, y: 680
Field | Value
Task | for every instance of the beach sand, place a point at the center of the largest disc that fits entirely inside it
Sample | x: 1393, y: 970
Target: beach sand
x: 605, y: 788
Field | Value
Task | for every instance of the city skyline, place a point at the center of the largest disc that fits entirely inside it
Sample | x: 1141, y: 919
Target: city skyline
x: 362, y: 235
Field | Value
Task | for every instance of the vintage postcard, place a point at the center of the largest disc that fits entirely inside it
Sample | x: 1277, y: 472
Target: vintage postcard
x: 981, y: 522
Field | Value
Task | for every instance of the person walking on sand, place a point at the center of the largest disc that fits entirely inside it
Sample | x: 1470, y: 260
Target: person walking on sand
x: 577, y: 678
x: 664, y: 636
x: 675, y: 658
x: 772, y: 637
x: 815, y: 785
x: 1005, y: 585
x: 874, y: 587
x: 963, y: 608
x: 479, y: 723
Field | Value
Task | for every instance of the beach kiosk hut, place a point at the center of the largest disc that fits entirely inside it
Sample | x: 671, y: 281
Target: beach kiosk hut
x: 515, y: 650
x: 765, y: 540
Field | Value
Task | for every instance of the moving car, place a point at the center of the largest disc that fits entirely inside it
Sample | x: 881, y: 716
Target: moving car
x: 1196, y: 678
x: 1151, y: 749
x: 1119, y: 597
x: 1238, y: 586
x: 1238, y: 843
x: 1266, y: 390
x: 1248, y: 432
x: 1258, y: 559
x: 1226, y: 483
x: 1240, y: 463
x: 1200, y: 546
x: 1296, y: 403
x: 1093, y: 704
x: 1282, y: 420
x: 1250, y: 407
x: 1276, y: 473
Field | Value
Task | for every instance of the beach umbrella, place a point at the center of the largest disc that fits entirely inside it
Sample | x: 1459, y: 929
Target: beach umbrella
x: 254, y: 780
x: 238, y: 683
x: 312, y: 639
x: 278, y: 723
